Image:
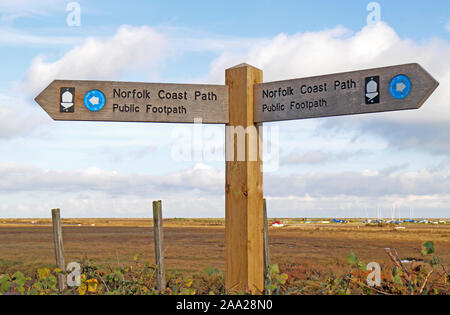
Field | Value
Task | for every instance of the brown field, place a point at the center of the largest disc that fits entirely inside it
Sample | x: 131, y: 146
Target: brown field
x: 191, y: 245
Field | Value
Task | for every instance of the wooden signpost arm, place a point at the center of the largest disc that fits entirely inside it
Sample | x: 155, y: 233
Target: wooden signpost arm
x: 244, y: 187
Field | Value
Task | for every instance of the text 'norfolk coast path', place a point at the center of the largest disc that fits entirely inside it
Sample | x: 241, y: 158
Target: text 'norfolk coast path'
x: 357, y: 92
x: 135, y: 102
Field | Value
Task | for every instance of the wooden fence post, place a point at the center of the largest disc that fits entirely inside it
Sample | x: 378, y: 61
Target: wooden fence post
x: 244, y: 265
x: 159, y: 244
x: 266, y: 240
x: 59, y: 247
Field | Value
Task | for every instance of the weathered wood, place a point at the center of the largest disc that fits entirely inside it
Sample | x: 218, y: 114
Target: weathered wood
x: 266, y: 239
x: 327, y: 98
x: 59, y: 247
x: 211, y: 108
x: 159, y: 245
x: 243, y: 194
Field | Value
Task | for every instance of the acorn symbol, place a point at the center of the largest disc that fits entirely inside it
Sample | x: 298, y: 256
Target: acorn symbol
x: 67, y: 99
x: 371, y: 89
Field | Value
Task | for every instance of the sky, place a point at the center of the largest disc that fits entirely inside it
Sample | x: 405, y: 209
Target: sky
x: 395, y: 164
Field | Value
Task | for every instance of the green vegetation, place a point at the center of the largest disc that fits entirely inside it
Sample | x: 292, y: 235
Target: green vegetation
x: 424, y: 276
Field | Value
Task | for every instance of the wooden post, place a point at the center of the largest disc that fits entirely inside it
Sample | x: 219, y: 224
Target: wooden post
x: 159, y: 241
x: 59, y: 247
x: 266, y: 240
x: 244, y: 264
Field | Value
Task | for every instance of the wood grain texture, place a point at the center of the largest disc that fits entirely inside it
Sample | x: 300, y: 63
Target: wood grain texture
x: 344, y: 101
x: 59, y: 246
x: 159, y: 245
x: 210, y: 110
x: 243, y: 193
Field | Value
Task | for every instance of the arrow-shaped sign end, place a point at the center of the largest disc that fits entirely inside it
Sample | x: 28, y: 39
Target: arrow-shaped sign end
x: 38, y: 99
x: 433, y: 85
x: 42, y: 99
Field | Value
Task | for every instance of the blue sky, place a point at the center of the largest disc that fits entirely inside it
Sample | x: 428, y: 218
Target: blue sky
x: 343, y: 166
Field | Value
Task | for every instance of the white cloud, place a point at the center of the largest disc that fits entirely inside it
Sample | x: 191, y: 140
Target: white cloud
x: 99, y: 205
x: 131, y: 48
x: 19, y: 178
x: 317, y: 157
x: 360, y: 183
x: 338, y: 50
x: 28, y: 191
x: 313, y: 157
x: 447, y: 26
x: 17, y: 117
x: 199, y: 191
x: 419, y: 136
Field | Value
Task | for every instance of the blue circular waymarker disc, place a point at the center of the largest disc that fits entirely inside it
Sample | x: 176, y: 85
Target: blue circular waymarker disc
x: 94, y: 100
x: 400, y: 87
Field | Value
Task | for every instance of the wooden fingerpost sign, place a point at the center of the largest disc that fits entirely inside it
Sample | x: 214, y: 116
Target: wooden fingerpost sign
x: 243, y: 105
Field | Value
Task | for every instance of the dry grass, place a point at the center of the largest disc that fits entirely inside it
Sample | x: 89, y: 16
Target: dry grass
x: 194, y: 244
